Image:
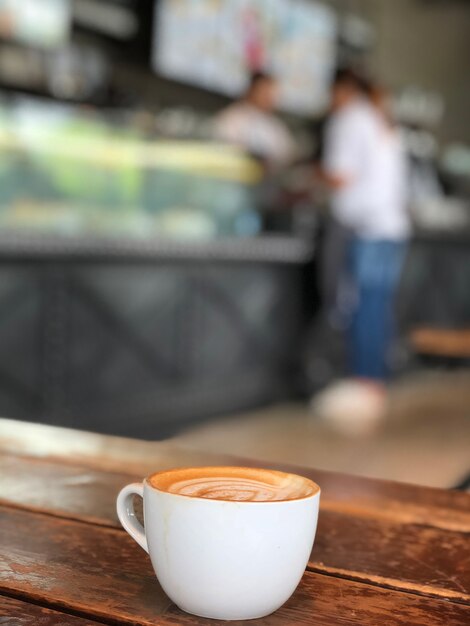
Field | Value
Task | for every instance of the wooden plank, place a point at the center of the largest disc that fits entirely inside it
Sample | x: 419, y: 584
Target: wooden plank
x: 102, y: 573
x: 63, y: 489
x: 356, y: 495
x: 377, y: 549
x: 410, y: 557
x: 79, y: 489
x: 388, y: 500
x: 17, y: 613
x: 441, y: 342
x: 104, y: 452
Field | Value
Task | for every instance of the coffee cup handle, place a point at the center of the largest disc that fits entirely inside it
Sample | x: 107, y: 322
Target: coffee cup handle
x: 126, y: 513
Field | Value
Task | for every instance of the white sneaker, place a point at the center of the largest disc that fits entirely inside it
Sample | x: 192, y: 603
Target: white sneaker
x: 352, y: 407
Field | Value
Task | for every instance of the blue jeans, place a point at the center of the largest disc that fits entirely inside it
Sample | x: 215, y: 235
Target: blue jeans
x: 374, y: 268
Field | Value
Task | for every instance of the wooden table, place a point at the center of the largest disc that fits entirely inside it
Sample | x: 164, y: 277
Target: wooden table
x: 385, y: 553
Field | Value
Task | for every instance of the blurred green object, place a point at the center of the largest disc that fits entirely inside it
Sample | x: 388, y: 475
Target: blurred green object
x: 69, y: 172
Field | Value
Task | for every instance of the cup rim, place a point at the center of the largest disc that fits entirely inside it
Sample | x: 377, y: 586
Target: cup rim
x: 315, y: 488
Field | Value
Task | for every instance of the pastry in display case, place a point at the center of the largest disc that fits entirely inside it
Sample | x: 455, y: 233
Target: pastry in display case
x: 68, y: 172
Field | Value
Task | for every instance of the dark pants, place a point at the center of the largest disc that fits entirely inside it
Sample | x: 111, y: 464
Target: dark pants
x: 375, y: 268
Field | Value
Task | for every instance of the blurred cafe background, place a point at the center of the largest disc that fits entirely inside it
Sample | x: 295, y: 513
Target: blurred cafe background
x: 171, y: 262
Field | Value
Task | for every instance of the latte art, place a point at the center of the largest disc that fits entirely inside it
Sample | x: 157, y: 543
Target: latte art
x: 234, y: 484
x: 231, y: 488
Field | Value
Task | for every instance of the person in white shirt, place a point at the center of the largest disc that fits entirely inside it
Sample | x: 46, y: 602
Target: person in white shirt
x: 365, y: 167
x: 252, y: 124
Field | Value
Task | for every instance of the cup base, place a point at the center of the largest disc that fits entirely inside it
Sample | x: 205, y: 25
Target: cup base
x: 222, y: 616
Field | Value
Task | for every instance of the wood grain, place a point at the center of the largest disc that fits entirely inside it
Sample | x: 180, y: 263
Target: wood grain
x: 101, y: 572
x: 375, y: 549
x: 103, y: 452
x: 62, y: 489
x: 388, y: 500
x: 425, y: 560
x: 17, y: 613
x: 351, y: 494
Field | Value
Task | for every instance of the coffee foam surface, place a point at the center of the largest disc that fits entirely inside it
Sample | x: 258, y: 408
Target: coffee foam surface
x: 237, y: 484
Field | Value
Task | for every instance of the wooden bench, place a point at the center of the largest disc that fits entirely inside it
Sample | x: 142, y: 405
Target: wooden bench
x: 446, y: 343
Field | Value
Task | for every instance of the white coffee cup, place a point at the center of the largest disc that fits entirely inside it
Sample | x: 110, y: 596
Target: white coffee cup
x: 224, y: 559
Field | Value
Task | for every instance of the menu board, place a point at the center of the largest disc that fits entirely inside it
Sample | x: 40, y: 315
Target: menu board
x: 216, y: 44
x: 42, y: 23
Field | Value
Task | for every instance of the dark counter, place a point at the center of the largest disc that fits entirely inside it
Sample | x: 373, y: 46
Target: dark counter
x: 141, y: 337
x: 263, y: 249
x: 435, y: 286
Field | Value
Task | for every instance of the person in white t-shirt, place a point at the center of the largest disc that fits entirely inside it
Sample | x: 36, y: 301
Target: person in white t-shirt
x: 365, y: 168
x: 252, y: 124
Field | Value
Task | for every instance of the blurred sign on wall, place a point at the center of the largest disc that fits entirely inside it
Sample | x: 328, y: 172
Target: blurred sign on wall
x: 39, y: 23
x: 215, y: 45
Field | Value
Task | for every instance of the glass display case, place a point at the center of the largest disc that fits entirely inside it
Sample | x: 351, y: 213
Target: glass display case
x: 134, y: 298
x: 68, y: 171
